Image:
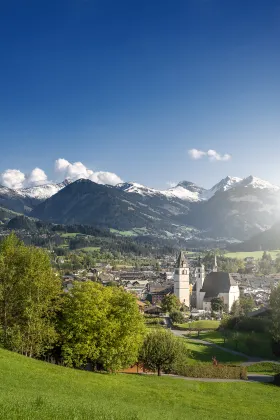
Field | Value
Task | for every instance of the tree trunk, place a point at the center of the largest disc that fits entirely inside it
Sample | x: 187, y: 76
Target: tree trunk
x: 159, y: 371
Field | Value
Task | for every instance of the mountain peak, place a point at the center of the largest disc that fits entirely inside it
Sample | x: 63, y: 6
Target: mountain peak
x: 255, y: 182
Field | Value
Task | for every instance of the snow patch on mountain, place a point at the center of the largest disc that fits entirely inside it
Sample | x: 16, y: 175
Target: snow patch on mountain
x: 255, y: 182
x: 42, y: 192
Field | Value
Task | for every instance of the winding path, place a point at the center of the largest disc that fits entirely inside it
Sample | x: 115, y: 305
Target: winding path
x: 252, y: 377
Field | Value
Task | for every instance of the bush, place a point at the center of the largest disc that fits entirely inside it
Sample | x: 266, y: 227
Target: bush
x: 177, y: 317
x: 202, y: 370
x: 259, y: 325
x: 268, y: 367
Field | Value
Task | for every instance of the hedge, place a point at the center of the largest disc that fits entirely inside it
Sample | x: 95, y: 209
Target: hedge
x: 214, y: 372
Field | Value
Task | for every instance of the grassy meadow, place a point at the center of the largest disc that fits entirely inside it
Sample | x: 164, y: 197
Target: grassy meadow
x: 34, y: 390
x: 199, y: 325
x: 255, y: 254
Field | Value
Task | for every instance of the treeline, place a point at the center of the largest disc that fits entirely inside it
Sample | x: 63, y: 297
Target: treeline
x: 48, y: 235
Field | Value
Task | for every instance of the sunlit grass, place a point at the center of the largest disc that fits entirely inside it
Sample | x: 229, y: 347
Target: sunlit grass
x: 31, y: 389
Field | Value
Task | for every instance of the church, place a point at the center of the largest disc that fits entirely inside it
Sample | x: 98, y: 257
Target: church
x: 216, y: 284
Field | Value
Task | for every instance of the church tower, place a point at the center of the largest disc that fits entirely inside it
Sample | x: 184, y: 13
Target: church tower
x: 215, y: 267
x: 182, y: 280
x: 200, y: 276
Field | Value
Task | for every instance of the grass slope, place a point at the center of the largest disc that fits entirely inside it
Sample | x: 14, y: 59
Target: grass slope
x: 36, y: 390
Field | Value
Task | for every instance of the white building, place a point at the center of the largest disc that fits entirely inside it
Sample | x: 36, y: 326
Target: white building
x: 182, y: 280
x: 217, y: 284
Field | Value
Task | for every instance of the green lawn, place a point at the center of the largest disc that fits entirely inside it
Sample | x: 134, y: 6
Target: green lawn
x: 123, y: 232
x: 89, y: 248
x: 261, y: 347
x: 204, y: 353
x: 254, y: 254
x: 202, y: 325
x: 70, y: 235
x: 34, y: 390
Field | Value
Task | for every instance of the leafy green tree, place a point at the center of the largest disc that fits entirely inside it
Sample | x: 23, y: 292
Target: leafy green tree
x: 177, y: 317
x: 243, y: 306
x: 231, y: 265
x: 101, y: 325
x: 170, y: 303
x: 217, y: 304
x: 275, y: 316
x: 163, y: 351
x: 30, y: 295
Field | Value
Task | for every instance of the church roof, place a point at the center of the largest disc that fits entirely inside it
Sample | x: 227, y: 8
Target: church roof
x: 217, y: 282
x: 182, y: 259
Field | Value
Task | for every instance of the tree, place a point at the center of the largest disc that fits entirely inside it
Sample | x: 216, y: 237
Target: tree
x: 275, y: 317
x: 177, y: 317
x: 100, y: 325
x: 243, y: 306
x: 217, y: 304
x: 163, y: 351
x: 266, y: 264
x: 170, y: 303
x: 30, y: 295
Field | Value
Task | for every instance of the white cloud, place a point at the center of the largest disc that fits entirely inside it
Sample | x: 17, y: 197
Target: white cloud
x: 36, y: 177
x: 12, y: 178
x: 171, y: 184
x: 211, y: 154
x: 78, y: 170
x: 196, y: 154
x: 15, y: 179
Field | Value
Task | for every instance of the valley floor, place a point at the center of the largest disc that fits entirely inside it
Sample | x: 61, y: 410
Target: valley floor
x: 31, y: 389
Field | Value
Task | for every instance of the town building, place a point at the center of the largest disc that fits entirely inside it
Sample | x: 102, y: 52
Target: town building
x: 216, y: 284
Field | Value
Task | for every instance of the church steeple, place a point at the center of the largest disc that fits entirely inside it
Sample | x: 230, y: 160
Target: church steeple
x: 182, y: 279
x: 182, y: 261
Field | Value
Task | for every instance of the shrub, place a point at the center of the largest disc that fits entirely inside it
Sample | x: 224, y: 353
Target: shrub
x: 177, y: 317
x: 202, y: 370
x: 268, y: 367
x: 259, y: 325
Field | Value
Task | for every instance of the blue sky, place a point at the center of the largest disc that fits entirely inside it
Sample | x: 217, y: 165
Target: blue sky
x: 130, y: 86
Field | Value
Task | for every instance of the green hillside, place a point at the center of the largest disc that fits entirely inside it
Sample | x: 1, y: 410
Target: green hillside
x: 36, y: 390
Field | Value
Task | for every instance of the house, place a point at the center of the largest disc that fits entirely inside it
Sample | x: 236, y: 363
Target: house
x: 216, y: 284
x: 153, y: 310
x: 157, y: 292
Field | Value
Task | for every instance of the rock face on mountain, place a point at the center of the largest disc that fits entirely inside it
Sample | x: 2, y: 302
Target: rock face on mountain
x: 235, y: 209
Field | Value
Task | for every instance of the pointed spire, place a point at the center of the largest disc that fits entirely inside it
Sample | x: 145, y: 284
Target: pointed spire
x: 182, y: 260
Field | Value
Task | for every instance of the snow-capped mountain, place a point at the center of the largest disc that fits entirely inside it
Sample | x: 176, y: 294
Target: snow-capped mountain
x: 42, y: 192
x: 254, y: 182
x: 134, y: 187
x: 234, y: 208
x: 188, y: 191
